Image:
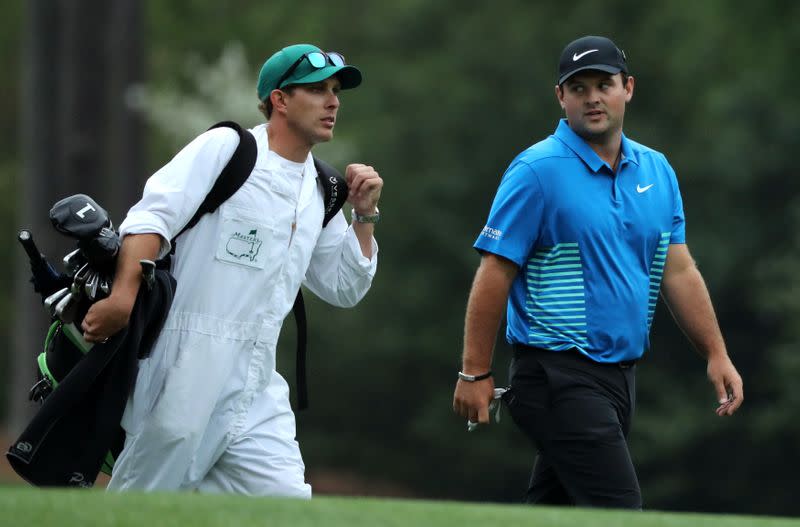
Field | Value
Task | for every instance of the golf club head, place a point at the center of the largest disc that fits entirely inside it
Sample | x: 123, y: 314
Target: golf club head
x: 79, y: 217
x: 74, y: 261
x: 105, y: 288
x: 80, y: 278
x: 51, y: 301
x: 87, y: 286
x: 65, y: 309
x: 90, y: 288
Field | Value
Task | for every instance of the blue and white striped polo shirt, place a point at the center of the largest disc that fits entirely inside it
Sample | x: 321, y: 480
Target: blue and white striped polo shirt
x: 591, y: 245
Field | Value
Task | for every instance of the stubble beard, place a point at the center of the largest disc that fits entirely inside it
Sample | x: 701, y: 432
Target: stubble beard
x: 310, y: 136
x: 598, y: 136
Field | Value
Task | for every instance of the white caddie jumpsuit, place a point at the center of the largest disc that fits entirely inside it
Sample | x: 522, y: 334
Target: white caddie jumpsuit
x: 209, y: 411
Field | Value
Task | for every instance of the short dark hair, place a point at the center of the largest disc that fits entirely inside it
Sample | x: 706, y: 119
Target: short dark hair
x: 265, y: 106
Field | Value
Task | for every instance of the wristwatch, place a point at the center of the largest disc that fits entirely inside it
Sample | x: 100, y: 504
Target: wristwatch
x: 372, y: 218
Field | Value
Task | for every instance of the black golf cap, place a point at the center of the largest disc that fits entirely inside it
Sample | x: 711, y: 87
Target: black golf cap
x: 591, y: 53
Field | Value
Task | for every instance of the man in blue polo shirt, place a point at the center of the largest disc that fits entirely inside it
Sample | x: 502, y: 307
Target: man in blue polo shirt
x: 586, y: 229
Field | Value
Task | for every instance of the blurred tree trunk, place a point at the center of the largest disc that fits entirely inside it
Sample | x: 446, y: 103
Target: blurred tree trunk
x: 40, y: 145
x: 126, y: 124
x: 82, y: 57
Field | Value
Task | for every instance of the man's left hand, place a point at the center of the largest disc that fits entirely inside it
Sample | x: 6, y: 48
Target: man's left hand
x: 364, y: 186
x: 727, y: 383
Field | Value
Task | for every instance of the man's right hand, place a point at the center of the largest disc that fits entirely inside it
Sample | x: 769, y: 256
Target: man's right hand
x: 471, y: 399
x: 485, y: 308
x: 106, y: 317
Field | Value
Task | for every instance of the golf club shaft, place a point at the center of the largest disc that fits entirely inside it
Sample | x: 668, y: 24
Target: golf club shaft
x: 26, y: 239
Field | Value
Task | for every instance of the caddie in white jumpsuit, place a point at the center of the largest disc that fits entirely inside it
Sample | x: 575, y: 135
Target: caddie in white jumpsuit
x: 209, y: 411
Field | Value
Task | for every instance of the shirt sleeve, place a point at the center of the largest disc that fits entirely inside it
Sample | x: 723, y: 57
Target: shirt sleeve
x: 678, y: 221
x: 173, y: 194
x: 338, y: 273
x: 513, y: 227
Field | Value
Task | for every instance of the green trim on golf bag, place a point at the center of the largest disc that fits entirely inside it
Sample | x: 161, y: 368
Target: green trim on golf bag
x: 42, y: 358
x: 58, y: 358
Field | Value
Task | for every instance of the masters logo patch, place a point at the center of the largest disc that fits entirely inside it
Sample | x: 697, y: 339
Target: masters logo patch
x: 242, y: 243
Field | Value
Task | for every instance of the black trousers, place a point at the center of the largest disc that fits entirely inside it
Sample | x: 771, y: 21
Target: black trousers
x: 577, y: 413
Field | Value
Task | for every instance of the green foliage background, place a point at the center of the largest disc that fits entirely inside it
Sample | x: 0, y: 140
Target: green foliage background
x: 452, y: 92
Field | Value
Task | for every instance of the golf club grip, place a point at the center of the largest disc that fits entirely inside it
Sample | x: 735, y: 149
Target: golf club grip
x: 26, y: 239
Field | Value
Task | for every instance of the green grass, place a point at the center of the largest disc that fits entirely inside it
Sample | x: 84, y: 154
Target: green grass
x: 62, y: 508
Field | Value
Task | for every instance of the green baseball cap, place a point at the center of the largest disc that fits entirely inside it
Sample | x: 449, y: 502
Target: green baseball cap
x: 303, y: 71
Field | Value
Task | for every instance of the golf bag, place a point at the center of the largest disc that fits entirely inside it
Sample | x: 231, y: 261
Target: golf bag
x: 84, y: 387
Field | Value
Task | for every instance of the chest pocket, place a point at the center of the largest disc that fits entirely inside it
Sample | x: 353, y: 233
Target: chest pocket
x: 244, y: 238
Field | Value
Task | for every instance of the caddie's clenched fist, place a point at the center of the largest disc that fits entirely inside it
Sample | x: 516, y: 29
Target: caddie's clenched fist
x: 364, y: 186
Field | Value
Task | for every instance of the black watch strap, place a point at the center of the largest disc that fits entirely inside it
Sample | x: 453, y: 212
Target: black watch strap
x: 472, y: 378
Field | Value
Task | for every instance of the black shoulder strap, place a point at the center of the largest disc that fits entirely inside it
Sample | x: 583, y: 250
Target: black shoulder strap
x: 334, y: 187
x: 299, y: 312
x: 232, y: 176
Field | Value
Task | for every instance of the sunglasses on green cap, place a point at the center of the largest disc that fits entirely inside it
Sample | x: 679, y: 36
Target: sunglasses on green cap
x: 318, y: 59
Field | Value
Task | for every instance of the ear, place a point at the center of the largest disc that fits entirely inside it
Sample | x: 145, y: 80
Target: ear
x: 560, y: 96
x: 629, y: 89
x: 278, y: 98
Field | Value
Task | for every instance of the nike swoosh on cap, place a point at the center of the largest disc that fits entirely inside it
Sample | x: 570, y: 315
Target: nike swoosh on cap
x: 577, y: 56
